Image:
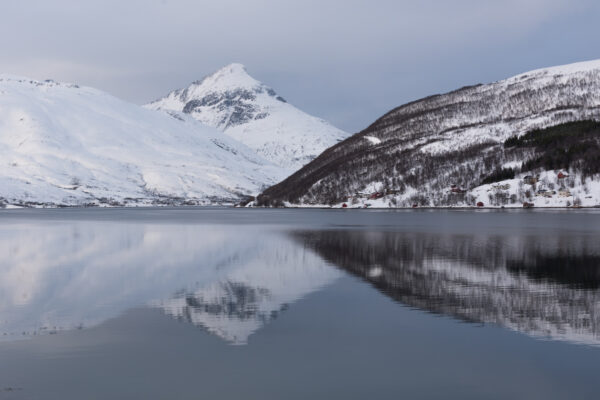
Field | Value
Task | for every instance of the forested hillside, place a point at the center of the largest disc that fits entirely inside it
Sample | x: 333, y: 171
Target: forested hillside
x: 440, y: 150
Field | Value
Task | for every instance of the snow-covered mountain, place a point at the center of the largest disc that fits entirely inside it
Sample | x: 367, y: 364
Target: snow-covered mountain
x: 61, y: 144
x: 253, y: 113
x: 440, y: 150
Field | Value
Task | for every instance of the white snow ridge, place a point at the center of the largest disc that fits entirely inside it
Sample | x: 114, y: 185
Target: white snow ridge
x: 253, y: 113
x: 61, y: 144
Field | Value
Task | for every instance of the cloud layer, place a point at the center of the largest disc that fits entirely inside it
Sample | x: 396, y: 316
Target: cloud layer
x: 347, y: 61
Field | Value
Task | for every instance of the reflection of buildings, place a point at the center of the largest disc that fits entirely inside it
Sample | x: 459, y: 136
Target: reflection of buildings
x: 542, y: 286
x: 254, y: 292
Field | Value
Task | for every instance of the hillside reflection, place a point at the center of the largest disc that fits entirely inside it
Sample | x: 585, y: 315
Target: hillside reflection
x: 542, y: 285
x: 229, y: 280
x: 232, y: 280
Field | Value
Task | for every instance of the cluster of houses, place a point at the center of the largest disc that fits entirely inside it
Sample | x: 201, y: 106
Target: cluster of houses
x: 550, y: 193
x: 502, y: 189
x: 563, y: 192
x: 532, y: 180
x: 455, y: 189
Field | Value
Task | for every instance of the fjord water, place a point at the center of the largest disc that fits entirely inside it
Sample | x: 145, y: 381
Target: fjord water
x: 268, y: 304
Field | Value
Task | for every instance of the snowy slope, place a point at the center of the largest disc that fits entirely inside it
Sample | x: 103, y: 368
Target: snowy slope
x: 419, y: 150
x: 61, y: 144
x: 251, y: 112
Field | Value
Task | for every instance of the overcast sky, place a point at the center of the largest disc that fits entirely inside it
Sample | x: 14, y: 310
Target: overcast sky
x: 347, y: 61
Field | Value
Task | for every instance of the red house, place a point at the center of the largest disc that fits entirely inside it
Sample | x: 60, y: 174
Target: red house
x: 480, y: 204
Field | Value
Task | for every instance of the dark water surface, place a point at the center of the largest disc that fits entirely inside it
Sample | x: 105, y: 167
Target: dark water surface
x: 198, y: 303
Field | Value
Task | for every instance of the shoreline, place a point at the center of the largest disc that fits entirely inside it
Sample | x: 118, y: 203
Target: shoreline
x: 163, y: 206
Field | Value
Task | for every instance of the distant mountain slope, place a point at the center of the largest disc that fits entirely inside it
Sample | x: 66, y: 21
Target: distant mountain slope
x: 254, y: 114
x: 61, y: 144
x: 416, y: 152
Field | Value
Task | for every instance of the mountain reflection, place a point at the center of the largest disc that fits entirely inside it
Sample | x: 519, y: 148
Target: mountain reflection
x: 232, y: 280
x: 542, y: 285
x: 228, y: 279
x: 253, y: 293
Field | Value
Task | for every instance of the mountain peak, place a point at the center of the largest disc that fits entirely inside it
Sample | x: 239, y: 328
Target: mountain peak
x: 231, y: 76
x: 234, y: 68
x: 254, y: 114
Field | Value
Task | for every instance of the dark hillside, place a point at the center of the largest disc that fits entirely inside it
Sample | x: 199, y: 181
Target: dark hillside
x: 419, y: 150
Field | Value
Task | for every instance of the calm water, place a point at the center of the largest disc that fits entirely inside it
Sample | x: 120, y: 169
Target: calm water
x: 299, y: 304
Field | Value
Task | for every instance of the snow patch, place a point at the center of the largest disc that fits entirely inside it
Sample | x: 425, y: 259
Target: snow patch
x: 373, y: 139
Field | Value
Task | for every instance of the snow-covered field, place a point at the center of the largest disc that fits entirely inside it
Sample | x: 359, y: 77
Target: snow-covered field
x: 254, y: 114
x: 548, y: 191
x: 61, y: 144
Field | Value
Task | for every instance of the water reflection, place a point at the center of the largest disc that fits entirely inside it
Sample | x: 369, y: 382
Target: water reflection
x: 229, y: 280
x: 544, y: 285
x: 232, y: 280
x: 246, y: 298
